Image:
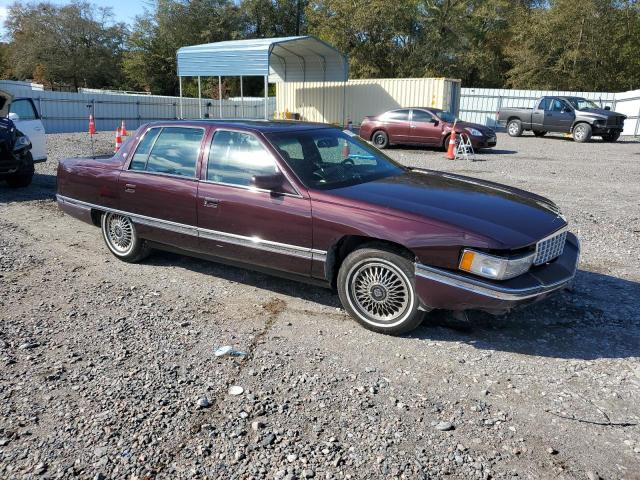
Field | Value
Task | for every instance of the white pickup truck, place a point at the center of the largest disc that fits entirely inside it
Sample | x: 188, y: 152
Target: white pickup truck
x: 22, y: 139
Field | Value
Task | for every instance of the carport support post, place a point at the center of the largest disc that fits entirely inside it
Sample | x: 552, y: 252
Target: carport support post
x: 180, y: 86
x: 241, y: 99
x: 220, y: 94
x: 266, y: 95
x: 199, y: 98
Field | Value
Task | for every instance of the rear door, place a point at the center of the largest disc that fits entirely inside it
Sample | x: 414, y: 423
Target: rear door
x: 397, y: 125
x: 236, y: 221
x: 28, y: 122
x: 425, y: 128
x: 160, y: 185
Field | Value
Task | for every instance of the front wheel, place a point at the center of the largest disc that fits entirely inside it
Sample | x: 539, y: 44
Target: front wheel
x: 380, y: 139
x: 514, y: 128
x: 582, y: 132
x: 377, y: 288
x: 611, y: 137
x: 24, y: 176
x: 120, y: 235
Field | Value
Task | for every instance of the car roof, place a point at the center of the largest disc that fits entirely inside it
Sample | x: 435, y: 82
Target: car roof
x: 264, y: 126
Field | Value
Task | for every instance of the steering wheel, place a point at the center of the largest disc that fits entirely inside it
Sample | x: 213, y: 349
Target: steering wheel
x: 348, y: 161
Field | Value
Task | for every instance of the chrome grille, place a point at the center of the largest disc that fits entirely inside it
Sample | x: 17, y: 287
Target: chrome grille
x: 549, y: 248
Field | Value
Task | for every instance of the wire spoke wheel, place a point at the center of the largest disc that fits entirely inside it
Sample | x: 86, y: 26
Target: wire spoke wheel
x: 119, y: 233
x: 380, y: 291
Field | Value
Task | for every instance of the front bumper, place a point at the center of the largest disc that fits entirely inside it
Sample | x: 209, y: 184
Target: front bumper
x: 483, y: 142
x: 439, y: 288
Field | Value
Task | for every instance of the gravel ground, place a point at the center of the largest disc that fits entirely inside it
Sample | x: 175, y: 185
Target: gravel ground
x: 108, y: 369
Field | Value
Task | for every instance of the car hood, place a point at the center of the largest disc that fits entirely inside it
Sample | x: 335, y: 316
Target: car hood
x: 600, y: 112
x: 460, y: 126
x: 512, y: 218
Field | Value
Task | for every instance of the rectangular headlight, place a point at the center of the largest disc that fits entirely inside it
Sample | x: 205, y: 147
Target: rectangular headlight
x: 496, y: 268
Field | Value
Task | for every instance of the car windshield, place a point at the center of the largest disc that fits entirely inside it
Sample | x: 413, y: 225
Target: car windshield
x: 446, y: 116
x: 581, y: 103
x: 325, y: 159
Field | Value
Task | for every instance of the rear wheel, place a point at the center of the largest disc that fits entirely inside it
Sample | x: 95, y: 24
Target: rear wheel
x: 23, y: 177
x: 377, y: 288
x: 120, y: 235
x: 380, y: 139
x: 611, y: 137
x: 514, y: 128
x: 582, y: 132
x: 539, y: 133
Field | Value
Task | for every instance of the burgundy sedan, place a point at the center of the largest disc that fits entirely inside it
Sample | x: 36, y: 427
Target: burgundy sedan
x: 314, y: 203
x: 422, y: 126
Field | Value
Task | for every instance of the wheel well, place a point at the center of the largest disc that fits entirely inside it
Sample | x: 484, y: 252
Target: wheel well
x: 347, y: 244
x: 578, y: 123
x: 95, y: 216
x: 514, y: 118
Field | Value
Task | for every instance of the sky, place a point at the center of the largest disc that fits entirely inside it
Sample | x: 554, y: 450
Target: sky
x: 123, y: 10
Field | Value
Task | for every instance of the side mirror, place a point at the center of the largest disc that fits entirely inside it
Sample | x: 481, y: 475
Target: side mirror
x: 272, y: 182
x: 607, y: 107
x: 14, y: 117
x: 434, y: 121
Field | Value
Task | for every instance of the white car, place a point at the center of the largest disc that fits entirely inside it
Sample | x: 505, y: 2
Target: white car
x: 25, y: 116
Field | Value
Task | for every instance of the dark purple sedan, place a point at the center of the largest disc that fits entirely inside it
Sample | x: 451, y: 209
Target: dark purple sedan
x: 314, y: 203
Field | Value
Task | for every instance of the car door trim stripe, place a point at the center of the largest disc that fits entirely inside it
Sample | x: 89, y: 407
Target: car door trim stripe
x: 241, y: 240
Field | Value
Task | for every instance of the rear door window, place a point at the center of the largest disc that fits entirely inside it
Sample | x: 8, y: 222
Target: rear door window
x: 170, y: 150
x: 397, y: 116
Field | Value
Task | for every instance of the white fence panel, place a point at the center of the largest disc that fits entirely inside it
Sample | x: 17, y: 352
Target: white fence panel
x: 64, y: 112
x: 629, y: 104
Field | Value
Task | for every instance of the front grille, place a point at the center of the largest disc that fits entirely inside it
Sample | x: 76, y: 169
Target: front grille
x: 615, y: 121
x: 550, y: 248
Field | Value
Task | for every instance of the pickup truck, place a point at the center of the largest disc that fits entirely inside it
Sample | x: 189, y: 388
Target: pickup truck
x: 578, y: 116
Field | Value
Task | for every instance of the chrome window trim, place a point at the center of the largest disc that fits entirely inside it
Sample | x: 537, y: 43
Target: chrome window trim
x: 241, y: 240
x: 254, y: 189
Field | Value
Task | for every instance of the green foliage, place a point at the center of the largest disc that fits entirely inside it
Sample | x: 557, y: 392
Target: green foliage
x: 541, y: 44
x: 76, y: 44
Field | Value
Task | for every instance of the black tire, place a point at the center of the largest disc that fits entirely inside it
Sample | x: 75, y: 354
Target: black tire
x: 24, y: 176
x: 582, y: 132
x: 539, y: 133
x: 380, y: 139
x: 514, y: 128
x: 611, y: 137
x: 119, y: 233
x: 377, y: 287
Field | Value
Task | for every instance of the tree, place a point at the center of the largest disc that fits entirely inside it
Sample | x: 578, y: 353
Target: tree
x: 567, y: 45
x: 77, y: 44
x: 150, y: 62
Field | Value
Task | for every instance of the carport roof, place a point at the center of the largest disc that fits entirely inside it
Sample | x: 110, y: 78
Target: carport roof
x: 289, y: 59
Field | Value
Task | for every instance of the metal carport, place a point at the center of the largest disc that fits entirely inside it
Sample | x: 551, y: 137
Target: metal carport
x: 285, y: 59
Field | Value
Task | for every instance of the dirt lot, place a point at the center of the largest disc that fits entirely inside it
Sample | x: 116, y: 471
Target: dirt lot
x: 108, y: 371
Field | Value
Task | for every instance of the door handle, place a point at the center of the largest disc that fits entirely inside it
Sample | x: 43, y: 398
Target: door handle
x: 129, y: 187
x: 211, y: 202
x: 413, y: 126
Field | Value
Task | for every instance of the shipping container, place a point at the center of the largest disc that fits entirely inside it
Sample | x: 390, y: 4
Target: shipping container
x: 336, y: 102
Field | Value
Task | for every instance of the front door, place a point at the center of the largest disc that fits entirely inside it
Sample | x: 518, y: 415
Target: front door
x: 28, y: 122
x: 236, y: 221
x: 160, y: 186
x: 559, y: 117
x: 425, y: 128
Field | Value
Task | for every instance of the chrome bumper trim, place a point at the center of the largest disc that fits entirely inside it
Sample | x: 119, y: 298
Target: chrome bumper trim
x: 486, y: 289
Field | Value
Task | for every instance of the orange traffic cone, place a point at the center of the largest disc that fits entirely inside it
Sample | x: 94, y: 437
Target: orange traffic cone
x: 346, y: 151
x: 451, y: 152
x: 123, y: 129
x: 118, y: 140
x: 92, y: 125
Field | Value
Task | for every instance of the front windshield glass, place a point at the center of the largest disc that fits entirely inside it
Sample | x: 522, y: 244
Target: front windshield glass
x: 581, y: 103
x: 446, y: 116
x: 325, y: 158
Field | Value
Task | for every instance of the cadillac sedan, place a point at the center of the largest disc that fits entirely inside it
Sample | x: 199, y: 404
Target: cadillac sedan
x: 314, y: 203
